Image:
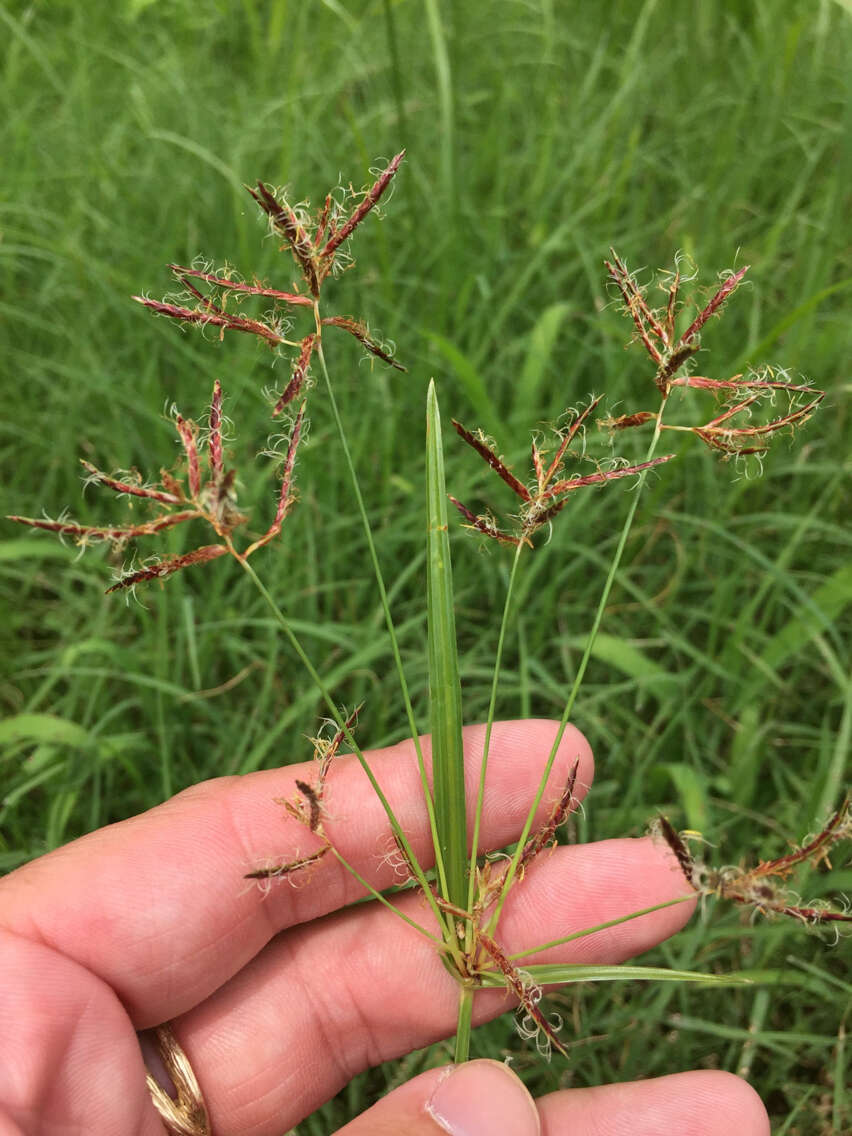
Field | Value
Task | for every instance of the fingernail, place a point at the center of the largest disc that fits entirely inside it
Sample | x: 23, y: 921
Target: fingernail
x: 483, y: 1098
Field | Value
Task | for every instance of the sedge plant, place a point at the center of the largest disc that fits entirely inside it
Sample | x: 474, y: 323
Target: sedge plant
x: 464, y: 890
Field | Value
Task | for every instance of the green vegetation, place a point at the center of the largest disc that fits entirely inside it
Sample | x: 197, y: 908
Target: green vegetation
x: 719, y: 691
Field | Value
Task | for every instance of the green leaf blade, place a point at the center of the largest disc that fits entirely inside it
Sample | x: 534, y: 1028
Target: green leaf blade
x: 444, y: 682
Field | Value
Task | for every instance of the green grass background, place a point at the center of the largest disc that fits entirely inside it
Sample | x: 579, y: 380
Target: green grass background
x: 539, y: 132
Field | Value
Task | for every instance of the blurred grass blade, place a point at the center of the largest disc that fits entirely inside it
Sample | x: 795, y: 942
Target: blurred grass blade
x: 692, y: 790
x: 830, y: 598
x: 444, y: 684
x: 470, y: 379
x: 528, y: 392
x: 43, y: 728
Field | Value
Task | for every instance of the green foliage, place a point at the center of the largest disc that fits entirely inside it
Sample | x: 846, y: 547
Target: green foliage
x: 535, y: 141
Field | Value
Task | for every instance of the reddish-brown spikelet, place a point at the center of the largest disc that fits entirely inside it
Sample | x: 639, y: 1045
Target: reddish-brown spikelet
x: 602, y: 476
x: 636, y: 305
x: 538, y: 468
x: 285, y: 221
x: 84, y: 533
x: 216, y: 431
x: 737, y: 382
x: 300, y: 370
x: 285, y: 500
x: 815, y: 850
x: 188, y: 435
x: 170, y: 565
x: 735, y: 440
x: 322, y: 221
x: 672, y: 364
x: 364, y: 206
x: 488, y: 455
x: 527, y: 998
x: 240, y: 286
x: 129, y: 487
x: 546, y: 835
x: 730, y: 411
x: 714, y: 306
x: 568, y: 438
x: 207, y: 302
x: 359, y: 330
x: 481, y: 524
x: 678, y: 846
x: 631, y: 292
x: 671, y: 307
x: 625, y: 421
x: 224, y: 320
x: 286, y: 869
x: 329, y: 752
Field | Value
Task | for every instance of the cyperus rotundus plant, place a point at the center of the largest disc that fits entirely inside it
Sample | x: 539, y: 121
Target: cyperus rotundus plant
x: 465, y: 892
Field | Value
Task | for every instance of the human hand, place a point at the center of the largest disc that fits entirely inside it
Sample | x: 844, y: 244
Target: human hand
x: 280, y: 999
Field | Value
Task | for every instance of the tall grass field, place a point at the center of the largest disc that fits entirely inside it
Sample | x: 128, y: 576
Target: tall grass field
x: 538, y: 134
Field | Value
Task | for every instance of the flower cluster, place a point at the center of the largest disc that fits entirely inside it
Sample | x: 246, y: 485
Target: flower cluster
x: 211, y: 499
x: 734, y: 431
x: 318, y: 246
x: 758, y: 888
x: 551, y: 489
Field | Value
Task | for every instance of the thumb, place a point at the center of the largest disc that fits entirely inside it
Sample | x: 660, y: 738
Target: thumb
x: 479, y: 1098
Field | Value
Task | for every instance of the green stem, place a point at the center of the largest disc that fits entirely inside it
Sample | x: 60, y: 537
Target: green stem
x: 581, y: 671
x: 377, y: 895
x: 377, y: 572
x: 600, y: 927
x: 480, y: 797
x: 465, y: 1019
x: 444, y: 923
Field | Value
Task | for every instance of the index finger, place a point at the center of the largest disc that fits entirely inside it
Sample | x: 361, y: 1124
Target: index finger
x: 158, y: 907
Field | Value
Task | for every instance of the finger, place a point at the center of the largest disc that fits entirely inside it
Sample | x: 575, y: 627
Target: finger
x: 484, y: 1098
x: 69, y: 1056
x: 480, y: 1098
x: 324, y: 1001
x: 707, y: 1103
x: 158, y: 906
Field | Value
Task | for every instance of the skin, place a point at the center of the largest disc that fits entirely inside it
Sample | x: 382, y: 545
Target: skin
x: 279, y: 997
